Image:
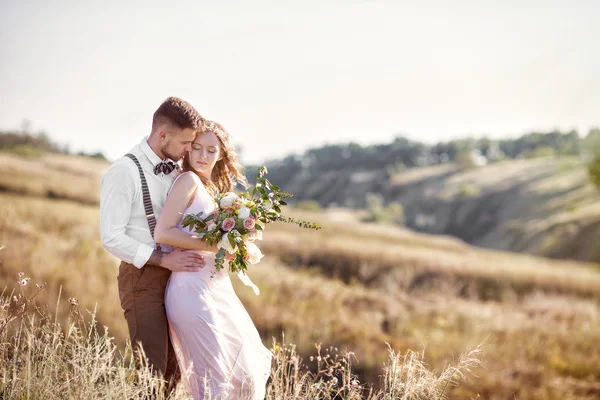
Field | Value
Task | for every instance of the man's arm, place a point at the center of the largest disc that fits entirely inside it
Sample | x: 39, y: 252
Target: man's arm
x: 156, y: 258
x: 116, y: 197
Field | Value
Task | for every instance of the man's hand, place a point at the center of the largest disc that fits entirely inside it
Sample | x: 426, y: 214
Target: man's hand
x: 181, y: 261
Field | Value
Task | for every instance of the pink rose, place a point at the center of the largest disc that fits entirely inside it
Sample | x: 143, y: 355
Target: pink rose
x: 229, y: 210
x: 228, y: 224
x: 249, y: 223
x: 237, y: 206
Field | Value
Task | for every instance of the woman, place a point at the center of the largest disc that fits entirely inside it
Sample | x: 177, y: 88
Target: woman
x: 218, y: 348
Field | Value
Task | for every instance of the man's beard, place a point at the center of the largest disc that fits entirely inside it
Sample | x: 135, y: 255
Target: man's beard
x: 174, y: 157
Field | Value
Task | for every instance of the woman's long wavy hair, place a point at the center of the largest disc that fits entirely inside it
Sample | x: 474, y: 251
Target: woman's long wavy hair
x: 227, y: 172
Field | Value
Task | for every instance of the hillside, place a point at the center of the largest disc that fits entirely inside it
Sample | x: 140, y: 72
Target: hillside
x: 353, y: 285
x: 543, y: 206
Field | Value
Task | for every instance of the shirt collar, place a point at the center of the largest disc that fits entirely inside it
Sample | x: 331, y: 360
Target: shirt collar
x: 147, y: 150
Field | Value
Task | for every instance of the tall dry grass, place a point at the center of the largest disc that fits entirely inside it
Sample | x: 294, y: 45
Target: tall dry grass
x: 58, y: 242
x: 43, y: 359
x: 531, y: 351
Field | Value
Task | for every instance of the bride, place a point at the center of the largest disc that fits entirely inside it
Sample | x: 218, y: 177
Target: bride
x: 218, y: 348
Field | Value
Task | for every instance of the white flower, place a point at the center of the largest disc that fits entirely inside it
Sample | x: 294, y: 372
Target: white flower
x: 24, y: 281
x: 244, y: 212
x: 211, y: 226
x: 228, y: 200
x: 224, y: 244
x: 254, y: 253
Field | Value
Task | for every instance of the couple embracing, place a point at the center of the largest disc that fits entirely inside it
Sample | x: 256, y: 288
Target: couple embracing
x: 187, y: 318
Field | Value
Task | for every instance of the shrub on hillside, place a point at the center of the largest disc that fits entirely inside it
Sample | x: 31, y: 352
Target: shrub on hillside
x: 308, y: 205
x: 378, y: 212
x: 594, y: 170
x: 467, y: 190
x: 470, y: 159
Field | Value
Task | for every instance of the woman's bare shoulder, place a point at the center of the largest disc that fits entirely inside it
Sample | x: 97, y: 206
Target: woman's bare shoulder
x: 187, y: 180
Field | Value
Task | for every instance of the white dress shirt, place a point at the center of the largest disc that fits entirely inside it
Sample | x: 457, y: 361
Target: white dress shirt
x: 123, y: 225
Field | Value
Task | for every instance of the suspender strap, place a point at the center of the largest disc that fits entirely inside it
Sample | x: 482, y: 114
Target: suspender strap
x: 146, y: 195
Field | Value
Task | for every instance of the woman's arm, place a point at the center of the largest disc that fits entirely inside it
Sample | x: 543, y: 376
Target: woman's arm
x: 178, y: 200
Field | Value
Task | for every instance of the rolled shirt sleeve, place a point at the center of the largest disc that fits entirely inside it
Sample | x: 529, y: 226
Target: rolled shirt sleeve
x: 116, y: 198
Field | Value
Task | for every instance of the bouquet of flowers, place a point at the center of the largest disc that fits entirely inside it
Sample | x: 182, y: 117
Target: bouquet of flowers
x: 239, y: 221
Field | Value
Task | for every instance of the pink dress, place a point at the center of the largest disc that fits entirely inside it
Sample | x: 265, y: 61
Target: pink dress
x: 219, y: 350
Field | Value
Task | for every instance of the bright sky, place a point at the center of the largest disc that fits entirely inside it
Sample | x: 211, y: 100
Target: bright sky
x: 284, y: 76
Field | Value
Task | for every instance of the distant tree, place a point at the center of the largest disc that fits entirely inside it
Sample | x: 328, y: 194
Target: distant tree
x: 594, y: 170
x: 467, y: 144
x: 484, y: 145
x: 10, y: 140
x: 98, y: 155
x: 569, y: 144
x: 591, y: 143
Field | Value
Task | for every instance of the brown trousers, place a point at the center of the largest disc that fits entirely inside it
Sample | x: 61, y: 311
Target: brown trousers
x: 142, y: 294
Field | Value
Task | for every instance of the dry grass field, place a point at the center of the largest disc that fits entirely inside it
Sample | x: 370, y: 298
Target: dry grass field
x: 353, y: 286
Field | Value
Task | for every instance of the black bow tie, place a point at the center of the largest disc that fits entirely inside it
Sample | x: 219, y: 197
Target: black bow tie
x: 165, y: 167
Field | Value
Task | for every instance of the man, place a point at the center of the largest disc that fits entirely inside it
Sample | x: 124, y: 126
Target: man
x: 129, y: 207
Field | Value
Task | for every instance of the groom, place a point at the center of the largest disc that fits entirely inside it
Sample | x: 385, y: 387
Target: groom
x: 133, y: 192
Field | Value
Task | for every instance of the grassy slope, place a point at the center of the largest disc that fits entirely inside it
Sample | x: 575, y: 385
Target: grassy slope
x: 543, y: 206
x: 407, y: 289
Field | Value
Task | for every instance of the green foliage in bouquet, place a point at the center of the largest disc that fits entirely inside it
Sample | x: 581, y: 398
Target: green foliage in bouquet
x: 240, y: 219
